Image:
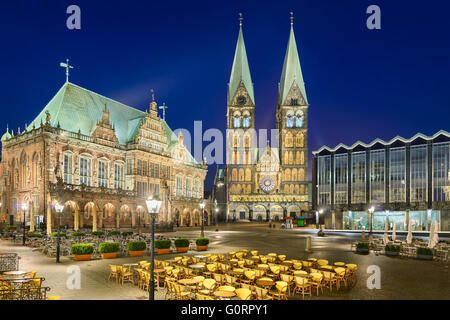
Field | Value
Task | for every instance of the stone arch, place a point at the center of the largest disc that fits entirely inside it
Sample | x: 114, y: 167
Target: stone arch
x: 301, y: 174
x: 287, y: 175
x: 241, y: 174
x: 196, y: 218
x: 293, y: 210
x: 234, y: 174
x: 276, y: 212
x: 248, y: 174
x: 242, y: 212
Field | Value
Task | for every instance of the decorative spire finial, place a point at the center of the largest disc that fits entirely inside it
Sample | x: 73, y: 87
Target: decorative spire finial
x: 164, y: 107
x: 67, y: 66
x: 153, y: 95
x: 292, y: 18
x: 240, y: 19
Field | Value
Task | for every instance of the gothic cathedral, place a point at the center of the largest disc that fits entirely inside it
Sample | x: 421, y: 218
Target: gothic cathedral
x: 269, y: 182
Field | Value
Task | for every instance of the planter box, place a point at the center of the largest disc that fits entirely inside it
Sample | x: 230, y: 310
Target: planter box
x: 109, y: 255
x: 139, y: 253
x: 163, y: 251
x: 82, y: 257
x: 424, y: 257
x: 182, y: 249
x: 362, y: 251
x: 392, y: 253
x: 202, y: 248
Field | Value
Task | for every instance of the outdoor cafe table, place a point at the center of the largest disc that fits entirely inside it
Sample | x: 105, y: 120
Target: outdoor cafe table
x: 14, y: 273
x: 340, y: 264
x: 265, y: 283
x: 197, y: 267
x: 236, y: 273
x: 157, y: 272
x: 287, y: 263
x: 263, y: 268
x: 200, y: 256
x: 255, y: 258
x: 189, y: 282
x: 171, y: 261
x: 224, y: 294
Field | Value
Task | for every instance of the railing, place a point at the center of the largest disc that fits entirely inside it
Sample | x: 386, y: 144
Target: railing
x: 31, y: 293
x: 9, y: 262
x: 57, y: 187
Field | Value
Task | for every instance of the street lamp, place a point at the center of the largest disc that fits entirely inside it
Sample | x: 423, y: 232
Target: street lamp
x: 59, y: 209
x: 24, y: 208
x: 202, y: 206
x: 153, y: 207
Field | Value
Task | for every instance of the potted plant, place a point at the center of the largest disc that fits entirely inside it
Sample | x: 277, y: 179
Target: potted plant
x: 98, y: 233
x: 114, y: 233
x: 127, y: 233
x: 182, y: 245
x: 11, y: 228
x: 108, y: 250
x: 424, y: 253
x: 34, y: 235
x: 82, y: 251
x: 392, y: 250
x: 362, y: 247
x: 136, y: 248
x: 202, y: 244
x: 163, y: 246
x: 55, y: 234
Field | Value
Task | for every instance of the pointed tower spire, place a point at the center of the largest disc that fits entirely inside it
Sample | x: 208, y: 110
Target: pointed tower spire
x: 240, y: 71
x: 291, y: 68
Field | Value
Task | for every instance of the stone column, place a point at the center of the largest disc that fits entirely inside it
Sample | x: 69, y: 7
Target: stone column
x: 94, y: 218
x: 118, y: 219
x: 133, y: 219
x: 49, y: 217
x: 31, y: 217
x: 76, y: 216
x: 407, y: 219
x: 81, y: 219
x: 100, y: 219
x: 333, y: 220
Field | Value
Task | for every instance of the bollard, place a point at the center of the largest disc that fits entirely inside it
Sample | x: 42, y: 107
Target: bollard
x: 308, y: 244
x: 363, y: 235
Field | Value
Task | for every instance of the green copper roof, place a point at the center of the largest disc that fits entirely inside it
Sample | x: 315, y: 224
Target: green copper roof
x: 291, y: 70
x: 6, y: 135
x: 76, y: 108
x: 240, y: 71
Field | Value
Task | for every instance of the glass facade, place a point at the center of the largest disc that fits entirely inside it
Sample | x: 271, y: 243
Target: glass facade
x: 85, y: 171
x: 377, y: 167
x: 340, y: 179
x: 358, y: 177
x: 397, y: 175
x: 359, y: 220
x: 419, y: 176
x: 441, y: 170
x: 324, y: 179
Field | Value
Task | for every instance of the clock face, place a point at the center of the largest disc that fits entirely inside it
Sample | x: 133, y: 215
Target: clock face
x: 267, y: 184
x: 241, y: 100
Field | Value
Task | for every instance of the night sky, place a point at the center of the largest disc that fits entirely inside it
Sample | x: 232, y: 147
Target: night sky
x: 361, y: 84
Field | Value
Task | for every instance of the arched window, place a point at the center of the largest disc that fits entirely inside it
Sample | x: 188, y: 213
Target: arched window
x: 246, y: 119
x: 249, y: 189
x: 241, y: 175
x: 301, y: 174
x: 237, y: 119
x: 299, y: 140
x: 288, y: 142
x: 179, y: 186
x: 235, y: 141
x: 24, y: 164
x: 188, y: 187
x: 289, y: 121
x: 299, y: 119
x: 291, y: 157
x: 302, y: 189
x: 297, y: 189
x: 286, y: 157
x: 234, y: 174
x: 287, y: 175
x: 291, y: 188
x: 294, y: 174
x: 247, y: 141
x: 302, y: 158
x: 35, y: 169
x: 286, y: 188
x: 248, y: 175
x: 238, y: 188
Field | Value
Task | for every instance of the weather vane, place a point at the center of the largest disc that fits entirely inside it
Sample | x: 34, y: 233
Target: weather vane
x: 67, y: 66
x: 240, y: 19
x: 164, y: 107
x: 292, y: 18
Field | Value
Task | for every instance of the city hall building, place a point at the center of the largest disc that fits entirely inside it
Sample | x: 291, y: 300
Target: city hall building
x: 402, y: 179
x: 101, y: 159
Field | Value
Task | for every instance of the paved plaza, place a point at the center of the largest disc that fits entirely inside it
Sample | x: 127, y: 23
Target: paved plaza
x: 401, y: 278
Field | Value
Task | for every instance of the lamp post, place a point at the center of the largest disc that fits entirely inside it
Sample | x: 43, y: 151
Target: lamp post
x: 24, y: 209
x: 153, y: 207
x: 202, y: 206
x: 59, y: 209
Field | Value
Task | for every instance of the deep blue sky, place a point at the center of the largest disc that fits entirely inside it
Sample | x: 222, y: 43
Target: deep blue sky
x: 361, y: 84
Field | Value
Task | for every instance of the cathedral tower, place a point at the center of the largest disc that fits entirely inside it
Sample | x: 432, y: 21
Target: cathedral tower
x: 292, y: 123
x: 240, y: 123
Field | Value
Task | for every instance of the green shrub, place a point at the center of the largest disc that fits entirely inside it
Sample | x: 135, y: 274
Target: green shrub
x: 98, y: 233
x: 127, y: 233
x: 34, y: 235
x: 78, y: 234
x: 362, y: 245
x: 163, y: 244
x: 182, y: 243
x: 108, y: 247
x: 392, y: 248
x: 136, y: 246
x: 11, y: 228
x: 114, y: 233
x: 55, y: 234
x: 202, y: 241
x: 82, y: 248
x: 425, y: 251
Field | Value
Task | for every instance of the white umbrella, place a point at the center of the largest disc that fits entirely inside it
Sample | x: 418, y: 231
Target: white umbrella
x: 393, y: 231
x: 436, y: 234
x: 430, y: 240
x: 386, y: 228
x: 409, y: 236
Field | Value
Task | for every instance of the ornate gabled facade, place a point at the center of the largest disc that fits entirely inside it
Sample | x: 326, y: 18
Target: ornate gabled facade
x: 267, y: 183
x: 102, y: 159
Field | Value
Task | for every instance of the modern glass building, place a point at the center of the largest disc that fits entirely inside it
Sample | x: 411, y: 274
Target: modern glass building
x: 402, y: 179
